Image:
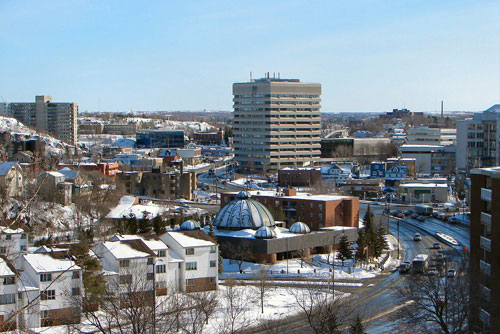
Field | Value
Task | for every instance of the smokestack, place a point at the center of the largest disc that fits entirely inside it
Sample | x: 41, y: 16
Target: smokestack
x: 441, y: 108
x: 250, y: 76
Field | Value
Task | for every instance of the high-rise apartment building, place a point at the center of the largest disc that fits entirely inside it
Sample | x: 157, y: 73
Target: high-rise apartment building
x: 485, y: 250
x: 56, y: 118
x: 424, y: 135
x: 276, y: 124
x: 478, y: 140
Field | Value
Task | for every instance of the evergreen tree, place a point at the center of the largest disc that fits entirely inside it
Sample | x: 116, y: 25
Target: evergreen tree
x: 369, y: 219
x: 357, y: 327
x: 211, y: 233
x: 362, y: 243
x: 144, y: 225
x: 344, y: 252
x: 131, y: 225
x: 159, y: 225
x: 380, y: 242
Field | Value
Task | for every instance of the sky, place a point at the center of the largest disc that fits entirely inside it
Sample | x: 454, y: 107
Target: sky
x: 185, y: 55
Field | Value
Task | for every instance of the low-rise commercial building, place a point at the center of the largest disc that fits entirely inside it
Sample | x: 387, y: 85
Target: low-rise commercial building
x: 423, y: 192
x: 159, y: 138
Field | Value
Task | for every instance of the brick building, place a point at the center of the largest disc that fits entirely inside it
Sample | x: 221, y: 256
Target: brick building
x: 317, y: 211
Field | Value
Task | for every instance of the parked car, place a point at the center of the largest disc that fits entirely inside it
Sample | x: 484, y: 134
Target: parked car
x: 453, y: 220
x: 451, y: 273
x: 421, y: 219
x: 432, y: 271
x: 414, y: 215
x: 436, y: 245
x: 435, y: 215
x: 400, y: 215
x: 408, y: 212
x: 404, y: 268
x: 417, y: 237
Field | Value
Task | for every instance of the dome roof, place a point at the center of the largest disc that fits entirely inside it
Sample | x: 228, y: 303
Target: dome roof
x: 265, y: 232
x: 190, y: 225
x: 243, y: 212
x: 300, y: 228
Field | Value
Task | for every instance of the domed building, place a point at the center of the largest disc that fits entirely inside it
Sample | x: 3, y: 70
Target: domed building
x: 242, y: 213
x: 245, y: 228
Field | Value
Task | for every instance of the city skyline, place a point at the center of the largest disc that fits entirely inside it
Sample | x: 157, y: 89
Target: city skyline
x: 368, y: 56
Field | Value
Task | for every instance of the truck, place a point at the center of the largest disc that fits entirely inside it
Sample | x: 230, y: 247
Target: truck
x: 420, y: 263
x: 424, y: 210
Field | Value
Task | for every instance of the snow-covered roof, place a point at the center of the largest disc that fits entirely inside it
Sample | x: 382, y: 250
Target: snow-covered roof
x: 44, y: 263
x: 173, y: 257
x: 491, y: 171
x: 6, y: 230
x: 299, y: 196
x: 152, y: 243
x: 69, y: 175
x: 126, y: 207
x: 186, y: 241
x: 300, y: 228
x: 5, y: 167
x: 5, y: 268
x: 423, y: 185
x: 123, y: 249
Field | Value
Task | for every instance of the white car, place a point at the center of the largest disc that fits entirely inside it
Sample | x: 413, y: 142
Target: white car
x: 451, y: 273
x: 417, y: 237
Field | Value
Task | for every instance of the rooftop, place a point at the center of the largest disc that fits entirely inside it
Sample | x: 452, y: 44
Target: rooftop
x: 43, y: 263
x: 490, y: 171
x: 299, y: 196
x: 187, y: 241
x: 6, y: 166
x: 423, y: 185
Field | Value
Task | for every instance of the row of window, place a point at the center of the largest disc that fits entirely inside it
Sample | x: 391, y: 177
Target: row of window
x: 306, y: 96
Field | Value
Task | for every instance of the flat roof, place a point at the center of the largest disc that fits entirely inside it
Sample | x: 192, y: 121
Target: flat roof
x: 423, y: 185
x: 299, y: 196
x: 490, y: 171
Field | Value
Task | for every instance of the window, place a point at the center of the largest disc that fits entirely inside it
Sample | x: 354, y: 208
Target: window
x: 189, y: 282
x: 212, y: 249
x: 189, y: 251
x: 212, y: 263
x: 161, y: 269
x: 3, y: 250
x: 76, y: 275
x: 311, y: 205
x: 150, y: 276
x: 311, y: 215
x: 125, y: 279
x: 23, y: 248
x: 190, y: 265
x: 212, y: 279
x: 45, y: 277
x: 9, y: 280
x: 162, y: 253
x: 124, y: 263
x: 23, y: 236
x: 9, y: 298
x: 150, y: 260
x: 320, y: 216
x: 75, y: 291
x: 320, y: 206
x: 8, y: 237
x: 48, y: 295
x: 46, y: 314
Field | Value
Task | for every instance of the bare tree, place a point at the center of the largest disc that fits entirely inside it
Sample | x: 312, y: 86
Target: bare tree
x: 236, y: 303
x: 263, y: 284
x: 323, y: 312
x: 439, y: 303
x: 196, y: 310
x: 241, y: 252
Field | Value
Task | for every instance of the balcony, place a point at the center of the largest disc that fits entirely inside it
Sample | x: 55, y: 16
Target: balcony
x: 485, y: 293
x: 485, y: 244
x: 486, y: 194
x: 484, y: 316
x: 484, y: 267
x: 486, y: 218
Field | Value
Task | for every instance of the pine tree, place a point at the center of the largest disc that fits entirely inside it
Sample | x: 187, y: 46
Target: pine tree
x: 144, y: 225
x: 362, y: 243
x: 380, y: 242
x: 158, y: 225
x: 344, y: 252
x: 357, y: 327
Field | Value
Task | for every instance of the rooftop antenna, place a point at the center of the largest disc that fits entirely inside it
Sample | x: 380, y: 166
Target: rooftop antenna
x: 441, y: 108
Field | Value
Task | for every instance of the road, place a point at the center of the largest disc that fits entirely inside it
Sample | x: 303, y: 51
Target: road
x: 377, y: 295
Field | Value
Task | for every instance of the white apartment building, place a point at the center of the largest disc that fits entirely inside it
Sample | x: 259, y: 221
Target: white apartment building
x: 13, y: 242
x: 53, y: 276
x: 478, y: 140
x: 198, y: 259
x: 8, y: 296
x: 57, y: 118
x: 276, y: 124
x: 431, y: 159
x: 424, y: 135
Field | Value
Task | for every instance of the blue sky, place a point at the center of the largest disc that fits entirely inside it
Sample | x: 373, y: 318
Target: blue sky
x: 185, y: 55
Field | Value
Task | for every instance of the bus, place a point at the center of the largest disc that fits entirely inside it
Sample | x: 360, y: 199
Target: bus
x: 420, y: 264
x: 423, y: 210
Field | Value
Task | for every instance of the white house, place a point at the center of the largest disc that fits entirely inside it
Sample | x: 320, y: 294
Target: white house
x: 339, y: 172
x: 161, y: 259
x: 11, y: 178
x: 396, y: 173
x: 12, y: 242
x: 137, y: 265
x: 8, y: 295
x: 57, y: 280
x: 198, y: 259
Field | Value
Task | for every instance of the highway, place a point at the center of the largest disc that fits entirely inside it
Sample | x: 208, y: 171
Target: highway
x: 377, y: 296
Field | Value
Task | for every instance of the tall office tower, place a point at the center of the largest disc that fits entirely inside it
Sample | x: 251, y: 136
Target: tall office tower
x: 276, y: 124
x: 485, y: 250
x: 478, y: 138
x: 57, y: 118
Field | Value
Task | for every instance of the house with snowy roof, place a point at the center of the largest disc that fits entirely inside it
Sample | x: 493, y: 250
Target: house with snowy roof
x: 197, y: 257
x: 138, y: 268
x: 53, y: 187
x: 51, y: 285
x: 8, y: 295
x: 340, y: 172
x: 11, y: 179
x: 13, y: 241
